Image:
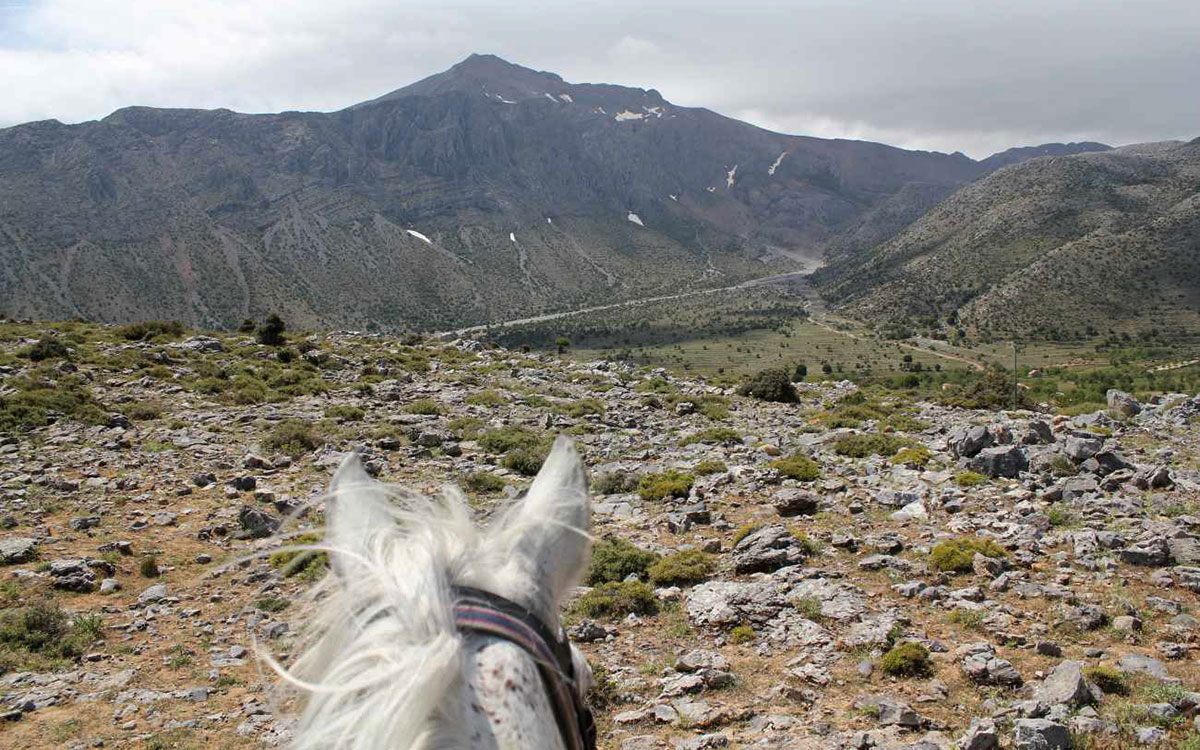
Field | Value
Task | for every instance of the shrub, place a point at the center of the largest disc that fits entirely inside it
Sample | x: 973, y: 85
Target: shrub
x: 423, y: 406
x: 905, y: 423
x: 670, y: 483
x: 37, y: 635
x: 873, y: 444
x: 907, y: 659
x: 681, y: 568
x: 150, y: 329
x: 143, y: 411
x: 617, y: 600
x: 810, y: 608
x: 487, y: 398
x: 615, y: 560
x: 1108, y: 679
x: 33, y: 399
x: 741, y: 634
x: 604, y: 692
x: 917, y: 456
x: 343, y: 413
x: 582, y: 407
x: 969, y: 478
x: 798, y: 467
x: 272, y: 604
x: 526, y: 461
x: 771, y: 384
x: 503, y: 439
x: 958, y: 555
x: 293, y: 437
x: 1060, y: 516
x: 967, y: 618
x: 745, y: 531
x: 483, y: 481
x: 308, y: 564
x: 48, y: 347
x: 149, y: 567
x: 709, y: 466
x: 270, y: 333
x: 713, y: 435
x: 613, y: 482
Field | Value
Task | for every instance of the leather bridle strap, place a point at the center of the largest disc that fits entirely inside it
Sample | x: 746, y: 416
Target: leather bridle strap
x: 480, y: 611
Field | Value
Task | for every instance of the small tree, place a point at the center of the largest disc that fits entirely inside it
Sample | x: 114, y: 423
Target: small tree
x: 771, y: 384
x: 247, y: 326
x: 562, y: 342
x: 827, y: 368
x: 270, y: 333
x: 800, y: 373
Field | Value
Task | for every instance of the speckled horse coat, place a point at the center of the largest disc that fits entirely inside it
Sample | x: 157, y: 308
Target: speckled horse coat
x: 383, y: 665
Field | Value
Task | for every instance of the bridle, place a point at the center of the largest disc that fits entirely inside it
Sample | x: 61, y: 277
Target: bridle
x: 479, y: 611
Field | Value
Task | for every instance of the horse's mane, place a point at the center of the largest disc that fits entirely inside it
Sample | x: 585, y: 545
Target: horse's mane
x: 380, y: 656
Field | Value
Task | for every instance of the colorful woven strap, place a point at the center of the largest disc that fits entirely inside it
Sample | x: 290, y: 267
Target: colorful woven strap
x: 484, y: 612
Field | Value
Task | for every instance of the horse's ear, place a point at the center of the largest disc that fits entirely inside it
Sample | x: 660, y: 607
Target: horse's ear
x: 547, y: 532
x: 357, y: 505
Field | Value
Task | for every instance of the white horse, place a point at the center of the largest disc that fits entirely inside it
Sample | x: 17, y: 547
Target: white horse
x: 387, y: 663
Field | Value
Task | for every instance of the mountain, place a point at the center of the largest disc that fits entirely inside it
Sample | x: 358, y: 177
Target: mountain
x: 1025, y: 153
x: 484, y: 192
x: 1047, y: 247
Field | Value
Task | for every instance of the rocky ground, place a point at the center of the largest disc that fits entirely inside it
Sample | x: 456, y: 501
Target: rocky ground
x: 940, y: 578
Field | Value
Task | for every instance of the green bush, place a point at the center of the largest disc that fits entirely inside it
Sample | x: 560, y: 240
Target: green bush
x: 917, y: 456
x: 713, y: 436
x: 272, y: 604
x: 309, y: 565
x: 872, y: 444
x: 40, y: 635
x: 907, y: 659
x: 526, y: 461
x: 958, y: 555
x: 48, y: 347
x: 581, y: 408
x: 797, y: 466
x: 771, y: 384
x: 969, y: 478
x: 483, y: 482
x: 292, y: 437
x: 36, y: 397
x: 1108, y: 679
x: 613, y: 483
x: 150, y: 329
x: 142, y: 411
x: 745, y: 531
x: 617, y: 600
x: 709, y: 466
x: 343, y: 413
x: 270, y: 333
x: 670, y: 483
x: 682, y: 568
x: 741, y: 634
x: 149, y: 567
x: 605, y: 691
x: 504, y: 439
x: 487, y: 398
x: 615, y: 560
x: 423, y: 406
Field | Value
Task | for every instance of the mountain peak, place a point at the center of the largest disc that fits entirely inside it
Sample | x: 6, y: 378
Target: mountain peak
x: 491, y: 74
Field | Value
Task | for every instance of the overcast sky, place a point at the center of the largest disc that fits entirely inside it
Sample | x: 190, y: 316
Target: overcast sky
x: 947, y: 75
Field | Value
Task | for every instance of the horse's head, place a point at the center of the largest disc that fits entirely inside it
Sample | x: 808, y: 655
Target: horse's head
x: 388, y: 664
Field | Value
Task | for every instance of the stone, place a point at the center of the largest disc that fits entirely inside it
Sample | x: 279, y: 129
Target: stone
x: 698, y: 659
x: 153, y: 594
x: 1152, y: 478
x: 1136, y: 664
x: 966, y: 442
x: 795, y: 502
x: 1040, y: 734
x: 1080, y: 449
x: 17, y: 549
x: 257, y: 523
x: 981, y: 735
x: 1007, y: 461
x: 767, y: 549
x: 1065, y: 685
x: 1122, y: 404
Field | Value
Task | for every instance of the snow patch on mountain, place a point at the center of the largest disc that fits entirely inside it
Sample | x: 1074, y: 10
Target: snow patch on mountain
x: 420, y: 236
x: 635, y: 219
x: 771, y: 169
x: 729, y: 177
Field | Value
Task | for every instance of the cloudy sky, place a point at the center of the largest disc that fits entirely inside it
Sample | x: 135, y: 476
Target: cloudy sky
x: 970, y: 75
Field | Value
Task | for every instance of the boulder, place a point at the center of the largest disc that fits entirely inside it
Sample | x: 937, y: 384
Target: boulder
x: 981, y: 735
x: 1080, y: 449
x: 766, y: 549
x: 257, y: 523
x: 17, y: 549
x: 1065, y: 685
x: 1006, y: 461
x: 1122, y: 404
x: 966, y: 442
x: 1040, y: 734
x: 795, y: 502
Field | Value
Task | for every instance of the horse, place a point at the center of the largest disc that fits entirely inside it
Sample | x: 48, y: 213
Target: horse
x: 402, y: 649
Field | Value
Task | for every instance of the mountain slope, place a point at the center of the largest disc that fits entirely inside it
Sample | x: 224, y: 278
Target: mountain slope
x: 486, y: 191
x: 1047, y: 247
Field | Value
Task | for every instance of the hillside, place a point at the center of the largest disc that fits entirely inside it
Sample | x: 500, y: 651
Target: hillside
x: 488, y: 191
x: 913, y: 575
x: 1049, y: 247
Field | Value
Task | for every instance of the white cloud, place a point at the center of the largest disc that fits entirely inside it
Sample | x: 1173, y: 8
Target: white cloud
x: 936, y: 74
